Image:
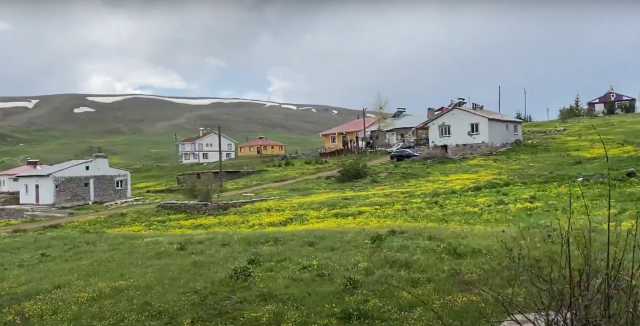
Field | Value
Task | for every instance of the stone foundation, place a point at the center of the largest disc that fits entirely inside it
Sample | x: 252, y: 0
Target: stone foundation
x: 196, y: 207
x: 461, y: 150
x: 20, y: 212
x: 185, y: 177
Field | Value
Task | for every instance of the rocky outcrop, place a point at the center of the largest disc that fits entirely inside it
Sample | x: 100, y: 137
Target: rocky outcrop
x: 198, y: 207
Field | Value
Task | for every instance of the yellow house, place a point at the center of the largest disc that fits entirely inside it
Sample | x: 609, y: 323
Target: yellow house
x: 335, y: 137
x: 261, y: 146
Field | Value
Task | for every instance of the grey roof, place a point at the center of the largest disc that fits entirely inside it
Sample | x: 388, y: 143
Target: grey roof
x: 491, y: 115
x: 52, y: 169
x: 405, y: 121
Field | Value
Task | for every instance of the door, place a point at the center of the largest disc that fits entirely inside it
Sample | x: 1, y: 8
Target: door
x: 391, y: 138
x: 91, y: 190
x: 259, y: 149
x: 37, y: 194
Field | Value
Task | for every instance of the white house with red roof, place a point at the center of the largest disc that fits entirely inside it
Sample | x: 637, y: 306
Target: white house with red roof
x: 8, y: 180
x: 261, y: 146
x: 203, y: 148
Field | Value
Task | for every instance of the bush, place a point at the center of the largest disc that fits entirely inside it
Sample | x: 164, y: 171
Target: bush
x: 352, y: 171
x: 201, y: 190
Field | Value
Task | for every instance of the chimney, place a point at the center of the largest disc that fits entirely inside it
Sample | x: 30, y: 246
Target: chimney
x: 99, y: 155
x: 398, y: 113
x: 431, y: 113
x: 201, y: 131
x: 32, y: 162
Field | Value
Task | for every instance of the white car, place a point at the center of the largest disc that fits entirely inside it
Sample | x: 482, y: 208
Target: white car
x: 394, y: 147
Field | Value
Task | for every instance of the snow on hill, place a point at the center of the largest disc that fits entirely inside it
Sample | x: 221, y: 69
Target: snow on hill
x: 28, y: 105
x: 200, y: 101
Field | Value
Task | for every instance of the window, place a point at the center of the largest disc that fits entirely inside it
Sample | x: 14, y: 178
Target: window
x: 620, y: 104
x: 332, y: 139
x: 251, y: 149
x: 241, y: 149
x: 445, y: 131
x: 515, y: 129
x: 119, y: 184
x: 200, y: 147
x: 26, y: 189
x: 57, y: 187
x: 507, y: 125
x: 186, y: 157
x: 3, y: 183
x: 205, y: 156
x: 271, y: 147
x: 228, y: 155
x: 194, y: 156
x: 475, y: 128
x: 86, y: 168
x: 229, y: 147
x: 86, y: 184
x: 281, y: 148
x: 264, y: 148
x: 182, y: 147
x: 193, y: 147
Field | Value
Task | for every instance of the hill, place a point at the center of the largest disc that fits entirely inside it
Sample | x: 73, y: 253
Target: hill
x: 141, y: 128
x: 330, y: 253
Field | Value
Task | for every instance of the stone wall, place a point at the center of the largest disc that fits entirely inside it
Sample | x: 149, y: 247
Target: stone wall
x: 185, y: 177
x: 195, y: 207
x: 11, y: 213
x: 460, y: 150
x: 73, y: 191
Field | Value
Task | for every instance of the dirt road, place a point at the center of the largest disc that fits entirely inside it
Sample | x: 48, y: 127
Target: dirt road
x: 67, y: 219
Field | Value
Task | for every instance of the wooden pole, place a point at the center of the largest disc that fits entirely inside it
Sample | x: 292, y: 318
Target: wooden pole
x: 220, y: 176
x: 525, y: 105
x: 364, y: 126
x: 547, y: 114
x: 499, y: 98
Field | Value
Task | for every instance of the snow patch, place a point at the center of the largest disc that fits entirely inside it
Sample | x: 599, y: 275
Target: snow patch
x: 314, y: 110
x: 27, y: 105
x: 83, y: 109
x: 204, y: 101
x: 371, y: 115
x: 292, y: 107
x: 304, y: 108
x: 334, y: 112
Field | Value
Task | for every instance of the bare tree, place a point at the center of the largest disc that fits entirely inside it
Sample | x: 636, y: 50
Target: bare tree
x: 380, y: 106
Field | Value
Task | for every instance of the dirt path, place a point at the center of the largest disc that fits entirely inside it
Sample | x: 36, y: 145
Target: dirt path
x: 74, y: 218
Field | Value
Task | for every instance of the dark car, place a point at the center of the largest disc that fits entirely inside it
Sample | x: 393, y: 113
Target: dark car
x: 403, y: 154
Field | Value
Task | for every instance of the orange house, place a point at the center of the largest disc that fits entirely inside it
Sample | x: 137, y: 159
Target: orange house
x: 346, y: 133
x: 261, y: 147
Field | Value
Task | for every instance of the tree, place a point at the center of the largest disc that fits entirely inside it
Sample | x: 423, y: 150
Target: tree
x: 610, y: 108
x: 380, y: 106
x: 590, y: 112
x: 201, y: 189
x: 525, y: 118
x: 576, y: 107
x: 629, y: 107
x: 519, y: 116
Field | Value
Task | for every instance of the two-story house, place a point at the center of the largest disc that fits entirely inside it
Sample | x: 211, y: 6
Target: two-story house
x: 203, y: 148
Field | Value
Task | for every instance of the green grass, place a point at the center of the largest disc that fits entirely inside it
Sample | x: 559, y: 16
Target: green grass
x: 324, y: 254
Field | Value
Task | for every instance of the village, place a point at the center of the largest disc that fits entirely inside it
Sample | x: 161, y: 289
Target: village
x: 458, y: 130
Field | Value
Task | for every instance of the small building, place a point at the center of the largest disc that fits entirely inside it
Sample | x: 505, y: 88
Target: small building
x: 74, y: 183
x: 397, y: 128
x: 344, y: 136
x: 462, y: 126
x: 8, y: 180
x: 203, y: 148
x: 261, y: 147
x: 623, y: 103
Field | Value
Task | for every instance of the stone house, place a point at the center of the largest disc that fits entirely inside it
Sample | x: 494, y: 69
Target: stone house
x: 73, y: 183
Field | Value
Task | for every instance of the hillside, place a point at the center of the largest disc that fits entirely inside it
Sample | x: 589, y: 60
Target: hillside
x: 140, y: 128
x: 329, y: 253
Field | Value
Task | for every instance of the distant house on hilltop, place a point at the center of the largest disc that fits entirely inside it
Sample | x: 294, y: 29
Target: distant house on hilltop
x: 203, y: 148
x: 8, y: 180
x: 261, y: 147
x: 620, y: 101
x: 75, y: 182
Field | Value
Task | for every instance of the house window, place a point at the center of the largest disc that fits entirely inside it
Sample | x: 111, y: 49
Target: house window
x: 241, y: 149
x: 475, y: 128
x: 620, y: 104
x: 205, y: 156
x: 229, y: 147
x: 251, y: 149
x: 507, y: 125
x: 186, y: 156
x: 194, y: 156
x: 26, y: 189
x: 264, y: 148
x: 193, y: 147
x: 57, y: 187
x: 281, y: 148
x: 3, y: 183
x: 228, y: 155
x: 86, y: 184
x: 86, y: 168
x: 515, y: 129
x: 332, y: 139
x: 182, y: 147
x: 199, y: 147
x: 119, y: 184
x: 271, y: 147
x: 445, y: 131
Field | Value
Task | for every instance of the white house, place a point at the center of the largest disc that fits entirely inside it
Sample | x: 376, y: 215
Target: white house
x: 204, y: 148
x: 459, y: 126
x: 76, y: 182
x: 8, y: 180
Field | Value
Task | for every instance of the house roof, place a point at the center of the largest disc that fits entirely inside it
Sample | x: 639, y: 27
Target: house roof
x: 204, y: 135
x: 607, y: 97
x: 491, y: 115
x: 23, y: 169
x: 405, y: 121
x: 261, y: 142
x: 355, y: 125
x: 52, y: 169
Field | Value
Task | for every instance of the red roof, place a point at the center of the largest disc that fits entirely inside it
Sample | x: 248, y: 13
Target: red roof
x: 261, y: 142
x: 22, y: 169
x: 355, y: 125
x: 204, y: 134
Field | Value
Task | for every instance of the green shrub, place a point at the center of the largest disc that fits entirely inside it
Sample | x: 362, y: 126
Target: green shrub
x: 201, y: 190
x: 352, y: 171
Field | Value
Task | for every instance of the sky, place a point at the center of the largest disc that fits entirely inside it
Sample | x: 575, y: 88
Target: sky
x: 417, y: 54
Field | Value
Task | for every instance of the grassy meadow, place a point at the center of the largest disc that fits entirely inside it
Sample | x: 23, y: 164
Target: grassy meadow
x: 328, y: 253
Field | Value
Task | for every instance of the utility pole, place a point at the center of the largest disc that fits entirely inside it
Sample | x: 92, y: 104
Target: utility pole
x: 547, y: 114
x: 220, y: 176
x: 175, y: 138
x: 364, y: 134
x: 499, y: 98
x: 525, y: 105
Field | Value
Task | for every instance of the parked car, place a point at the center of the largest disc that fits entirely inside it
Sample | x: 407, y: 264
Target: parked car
x: 399, y: 146
x: 403, y: 154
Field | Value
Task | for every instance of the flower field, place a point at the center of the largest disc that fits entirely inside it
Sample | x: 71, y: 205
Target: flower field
x: 327, y: 253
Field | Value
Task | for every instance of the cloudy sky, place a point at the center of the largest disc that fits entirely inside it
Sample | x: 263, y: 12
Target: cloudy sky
x: 418, y: 54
